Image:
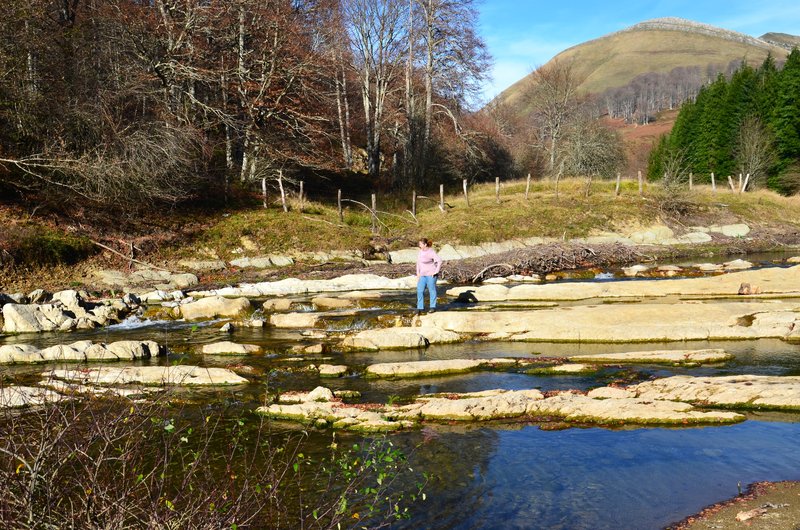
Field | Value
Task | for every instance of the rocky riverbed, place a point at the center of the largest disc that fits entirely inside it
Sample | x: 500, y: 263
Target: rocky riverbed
x: 349, y: 354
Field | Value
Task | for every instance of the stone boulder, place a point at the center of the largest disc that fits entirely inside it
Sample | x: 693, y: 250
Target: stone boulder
x: 326, y: 302
x: 18, y: 318
x: 737, y: 265
x: 230, y: 348
x: 277, y: 304
x: 202, y: 265
x: 294, y: 320
x: 332, y: 370
x: 19, y: 354
x: 399, y: 338
x: 215, y: 307
x: 80, y: 351
x: 407, y: 255
x: 252, y: 263
x: 737, y: 230
x: 26, y: 396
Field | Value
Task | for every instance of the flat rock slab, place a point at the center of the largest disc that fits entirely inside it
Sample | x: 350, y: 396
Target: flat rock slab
x: 230, y: 348
x: 202, y: 265
x: 658, y: 357
x: 327, y: 302
x: 182, y: 375
x: 86, y: 350
x: 493, y: 405
x: 26, y: 396
x: 214, y: 307
x: 332, y: 370
x: 294, y: 320
x: 399, y: 338
x: 564, y: 369
x: 739, y: 391
x: 774, y: 280
x: 291, y: 286
x: 627, y: 323
x: 437, y: 367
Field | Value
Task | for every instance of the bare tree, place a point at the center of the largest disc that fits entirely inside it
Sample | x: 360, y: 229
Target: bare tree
x: 552, y: 94
x: 456, y: 60
x: 755, y: 150
x: 590, y: 149
x: 378, y: 37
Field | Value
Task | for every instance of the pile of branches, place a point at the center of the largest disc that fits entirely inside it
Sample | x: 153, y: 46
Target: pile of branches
x: 541, y: 259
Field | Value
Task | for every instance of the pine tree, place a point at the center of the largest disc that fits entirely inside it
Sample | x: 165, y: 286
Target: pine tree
x: 786, y: 116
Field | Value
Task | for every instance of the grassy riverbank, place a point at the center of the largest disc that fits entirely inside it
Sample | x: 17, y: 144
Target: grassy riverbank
x: 56, y: 252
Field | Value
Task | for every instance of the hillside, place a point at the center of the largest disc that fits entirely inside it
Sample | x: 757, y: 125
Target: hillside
x: 47, y: 253
x: 659, y: 46
x: 783, y: 40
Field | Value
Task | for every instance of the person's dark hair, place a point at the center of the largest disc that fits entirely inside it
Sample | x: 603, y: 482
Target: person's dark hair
x: 427, y: 242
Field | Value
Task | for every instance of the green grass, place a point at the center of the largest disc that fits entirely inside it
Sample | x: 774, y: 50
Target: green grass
x: 572, y: 214
x: 31, y: 244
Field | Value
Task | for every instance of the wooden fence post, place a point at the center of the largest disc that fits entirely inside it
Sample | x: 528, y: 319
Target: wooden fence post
x: 640, y: 182
x: 466, y: 195
x: 730, y: 183
x: 713, y: 183
x: 740, y: 183
x: 339, y: 201
x: 497, y: 189
x: 441, y: 197
x: 283, y: 192
x: 414, y: 203
x: 527, y: 186
x: 616, y: 189
x: 691, y: 180
x: 374, y: 214
x: 746, y: 181
x: 264, y: 191
x: 302, y: 196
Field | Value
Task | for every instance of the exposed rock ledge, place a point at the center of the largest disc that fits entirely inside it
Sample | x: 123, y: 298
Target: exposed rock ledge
x: 183, y: 375
x: 65, y: 311
x: 292, y: 286
x: 438, y: 367
x: 456, y: 366
x: 398, y: 338
x: 773, y: 280
x: 693, y: 357
x: 620, y: 323
x: 739, y: 391
x: 628, y: 322
x: 84, y: 350
x: 318, y: 408
x: 26, y: 396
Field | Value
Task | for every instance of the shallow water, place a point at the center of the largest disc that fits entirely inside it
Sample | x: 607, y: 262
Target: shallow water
x: 507, y: 475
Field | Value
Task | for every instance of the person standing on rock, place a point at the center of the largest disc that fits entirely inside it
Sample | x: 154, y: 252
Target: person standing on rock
x: 428, y: 265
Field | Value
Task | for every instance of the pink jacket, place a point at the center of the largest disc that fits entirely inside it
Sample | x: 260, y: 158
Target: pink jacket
x: 428, y: 262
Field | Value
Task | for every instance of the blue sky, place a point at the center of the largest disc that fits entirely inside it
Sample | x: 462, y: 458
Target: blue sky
x: 524, y: 34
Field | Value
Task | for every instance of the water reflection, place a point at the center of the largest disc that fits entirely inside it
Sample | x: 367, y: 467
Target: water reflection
x: 597, y: 478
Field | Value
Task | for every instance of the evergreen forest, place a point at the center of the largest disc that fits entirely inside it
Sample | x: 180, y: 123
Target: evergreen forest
x: 747, y: 124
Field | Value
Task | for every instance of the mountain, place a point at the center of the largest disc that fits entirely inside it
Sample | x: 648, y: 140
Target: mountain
x: 660, y: 46
x: 784, y: 40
